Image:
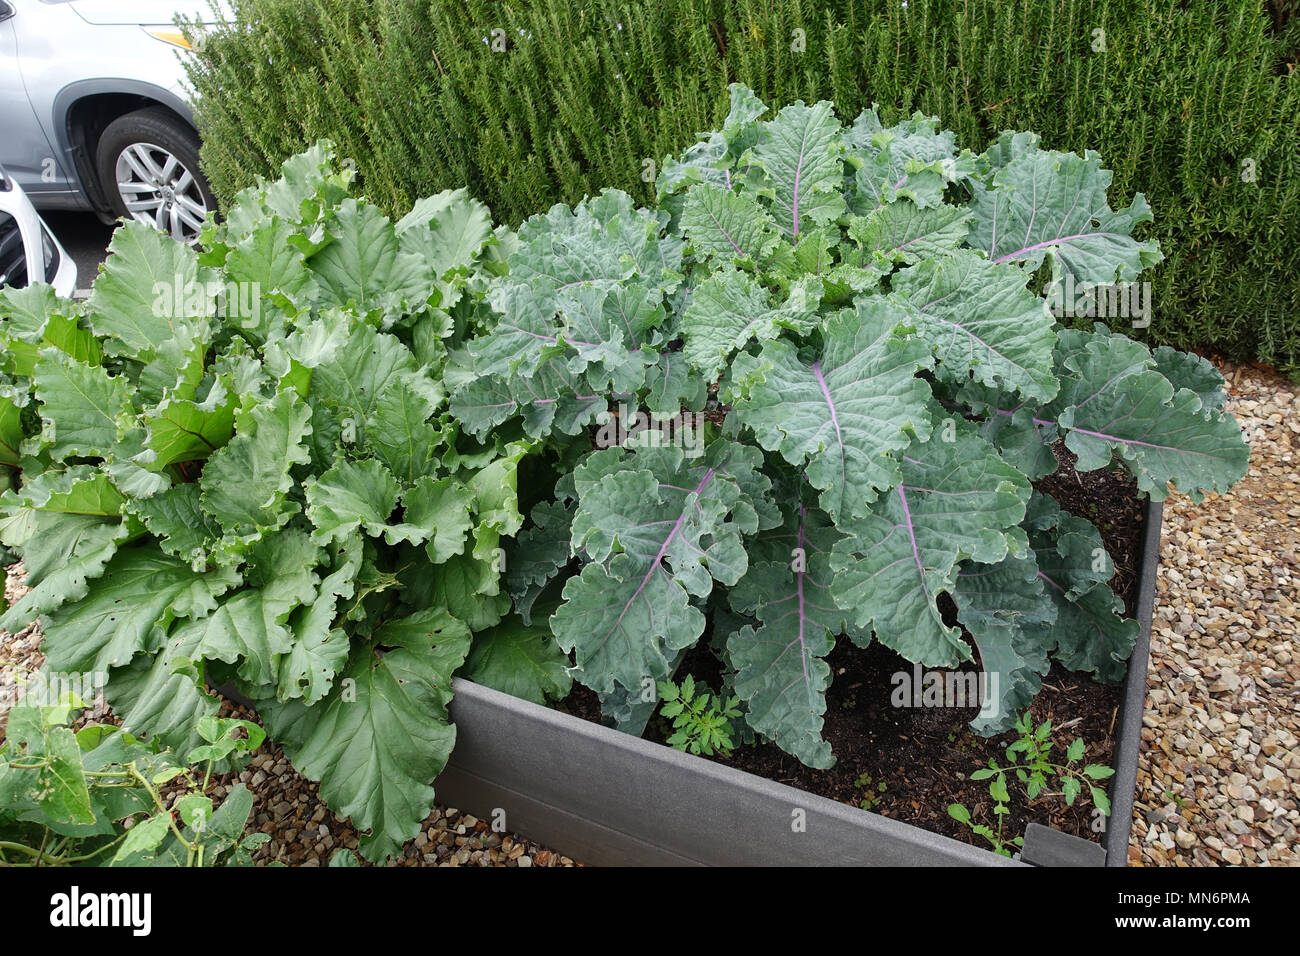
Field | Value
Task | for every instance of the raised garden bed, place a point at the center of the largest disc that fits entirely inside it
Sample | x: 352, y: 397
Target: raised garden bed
x: 818, y: 396
x: 606, y: 797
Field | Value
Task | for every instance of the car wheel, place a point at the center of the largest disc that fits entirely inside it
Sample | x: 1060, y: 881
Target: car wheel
x: 148, y: 164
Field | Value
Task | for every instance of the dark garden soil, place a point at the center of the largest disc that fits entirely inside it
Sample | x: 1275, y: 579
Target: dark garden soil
x: 910, y: 763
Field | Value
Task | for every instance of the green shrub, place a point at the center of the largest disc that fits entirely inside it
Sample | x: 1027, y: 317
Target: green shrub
x: 1187, y: 102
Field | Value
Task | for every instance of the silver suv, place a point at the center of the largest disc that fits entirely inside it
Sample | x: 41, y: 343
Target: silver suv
x: 93, y: 115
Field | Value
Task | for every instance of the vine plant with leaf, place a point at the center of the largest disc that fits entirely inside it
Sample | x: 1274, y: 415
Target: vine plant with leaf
x: 95, y: 796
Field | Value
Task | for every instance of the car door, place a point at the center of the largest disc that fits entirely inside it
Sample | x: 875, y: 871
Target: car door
x: 25, y: 150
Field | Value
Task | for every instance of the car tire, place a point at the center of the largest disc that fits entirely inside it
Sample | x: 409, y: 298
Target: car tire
x: 148, y: 167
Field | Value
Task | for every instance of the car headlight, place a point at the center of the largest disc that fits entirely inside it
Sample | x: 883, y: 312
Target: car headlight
x: 49, y: 254
x: 169, y: 35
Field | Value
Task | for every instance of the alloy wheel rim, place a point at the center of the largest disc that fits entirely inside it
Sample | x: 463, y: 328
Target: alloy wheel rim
x: 158, y: 189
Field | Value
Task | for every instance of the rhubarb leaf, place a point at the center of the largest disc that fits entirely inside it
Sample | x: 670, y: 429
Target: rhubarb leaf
x: 351, y: 495
x: 382, y: 735
x: 520, y: 660
x: 249, y: 626
x: 244, y: 486
x: 148, y: 283
x: 127, y: 610
x: 80, y: 405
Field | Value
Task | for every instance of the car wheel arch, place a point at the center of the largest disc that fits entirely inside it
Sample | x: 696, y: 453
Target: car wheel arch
x: 82, y: 111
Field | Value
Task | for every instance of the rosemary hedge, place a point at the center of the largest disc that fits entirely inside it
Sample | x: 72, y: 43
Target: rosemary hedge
x: 531, y: 103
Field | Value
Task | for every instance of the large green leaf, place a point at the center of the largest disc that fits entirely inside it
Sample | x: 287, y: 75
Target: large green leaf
x: 401, y: 435
x: 1009, y: 615
x: 727, y: 224
x: 541, y: 550
x: 843, y: 416
x: 11, y: 439
x: 957, y: 501
x: 730, y: 308
x: 799, y: 153
x: 553, y: 399
x: 250, y: 627
x: 365, y: 266
x: 905, y: 232
x: 911, y: 161
x: 65, y: 553
x: 179, y: 524
x: 521, y: 660
x: 158, y: 697
x: 1113, y: 404
x: 80, y: 405
x: 320, y: 644
x: 711, y: 159
x: 1091, y: 632
x: 128, y: 609
x: 382, y: 735
x: 448, y: 229
x: 982, y: 320
x: 439, y: 512
x: 305, y: 181
x: 351, y: 495
x: 782, y: 673
x: 1053, y: 205
x: 268, y: 273
x: 245, y: 484
x: 658, y: 528
x: 181, y: 429
x: 1193, y: 372
x: 147, y: 284
x: 33, y: 318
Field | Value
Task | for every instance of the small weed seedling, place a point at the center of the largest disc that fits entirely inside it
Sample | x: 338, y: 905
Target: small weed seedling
x: 1032, y: 749
x: 870, y: 794
x: 702, y: 722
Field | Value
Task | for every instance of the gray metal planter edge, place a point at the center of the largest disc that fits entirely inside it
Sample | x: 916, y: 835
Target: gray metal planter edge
x: 607, y: 798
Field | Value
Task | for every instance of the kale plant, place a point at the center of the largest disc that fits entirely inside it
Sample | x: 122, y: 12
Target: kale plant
x: 821, y: 378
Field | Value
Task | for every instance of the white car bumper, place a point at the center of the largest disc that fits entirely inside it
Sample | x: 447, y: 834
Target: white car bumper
x: 44, y: 257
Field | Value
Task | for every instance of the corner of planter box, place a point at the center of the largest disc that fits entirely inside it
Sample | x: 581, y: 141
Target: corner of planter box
x: 607, y: 798
x: 1128, y: 728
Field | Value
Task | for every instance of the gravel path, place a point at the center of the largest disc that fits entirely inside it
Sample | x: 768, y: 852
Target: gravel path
x: 1219, y: 773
